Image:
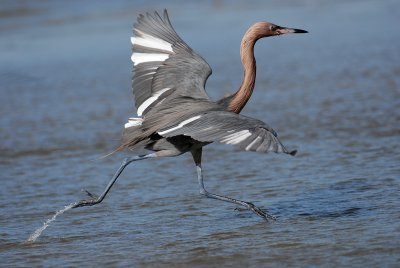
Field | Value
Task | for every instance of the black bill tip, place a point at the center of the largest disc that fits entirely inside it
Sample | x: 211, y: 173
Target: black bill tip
x: 299, y: 31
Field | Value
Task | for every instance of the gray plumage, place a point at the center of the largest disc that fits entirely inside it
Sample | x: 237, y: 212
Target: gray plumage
x: 175, y: 113
x: 185, y: 73
x: 225, y: 127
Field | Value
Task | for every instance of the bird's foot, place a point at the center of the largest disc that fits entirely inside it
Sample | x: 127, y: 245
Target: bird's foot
x: 89, y: 194
x: 87, y: 202
x: 258, y: 211
x: 83, y: 203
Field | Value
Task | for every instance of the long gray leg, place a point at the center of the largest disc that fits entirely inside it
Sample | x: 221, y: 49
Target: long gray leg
x: 250, y: 206
x: 125, y: 163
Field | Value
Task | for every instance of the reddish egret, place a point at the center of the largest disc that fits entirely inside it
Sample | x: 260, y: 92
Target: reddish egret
x: 175, y: 114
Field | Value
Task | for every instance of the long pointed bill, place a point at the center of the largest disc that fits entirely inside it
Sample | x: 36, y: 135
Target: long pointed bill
x: 283, y: 30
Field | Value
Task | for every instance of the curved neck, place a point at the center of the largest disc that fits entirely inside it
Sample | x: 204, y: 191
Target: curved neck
x: 240, y: 98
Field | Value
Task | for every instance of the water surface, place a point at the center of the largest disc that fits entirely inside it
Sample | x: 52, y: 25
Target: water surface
x: 333, y: 94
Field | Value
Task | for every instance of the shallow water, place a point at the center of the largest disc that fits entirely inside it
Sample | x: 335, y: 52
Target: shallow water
x: 333, y: 94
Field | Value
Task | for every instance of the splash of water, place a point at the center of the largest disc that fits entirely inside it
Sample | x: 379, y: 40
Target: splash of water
x: 32, y: 238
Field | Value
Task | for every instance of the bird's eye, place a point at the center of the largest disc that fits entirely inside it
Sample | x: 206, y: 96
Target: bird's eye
x: 272, y: 27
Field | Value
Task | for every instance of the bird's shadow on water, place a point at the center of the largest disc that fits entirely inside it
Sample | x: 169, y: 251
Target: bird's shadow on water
x: 346, y: 198
x: 353, y: 211
x: 311, y: 216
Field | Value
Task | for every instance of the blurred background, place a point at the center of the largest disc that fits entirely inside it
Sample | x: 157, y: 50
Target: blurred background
x: 333, y: 94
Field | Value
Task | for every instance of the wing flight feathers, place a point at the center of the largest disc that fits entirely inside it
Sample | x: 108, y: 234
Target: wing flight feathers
x: 163, y: 64
x: 225, y: 127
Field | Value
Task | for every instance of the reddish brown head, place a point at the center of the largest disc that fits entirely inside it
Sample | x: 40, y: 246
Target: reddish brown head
x: 264, y: 29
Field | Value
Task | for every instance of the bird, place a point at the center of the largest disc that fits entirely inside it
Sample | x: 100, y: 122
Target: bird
x: 174, y: 113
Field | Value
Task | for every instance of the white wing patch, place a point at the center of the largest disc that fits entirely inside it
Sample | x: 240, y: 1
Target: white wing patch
x: 149, y: 41
x: 146, y: 74
x: 248, y: 147
x: 184, y: 122
x: 134, y: 121
x: 237, y: 137
x: 150, y: 100
x: 138, y: 58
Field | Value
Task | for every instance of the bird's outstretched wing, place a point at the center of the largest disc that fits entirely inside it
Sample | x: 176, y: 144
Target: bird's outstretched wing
x: 164, y: 64
x: 225, y: 127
